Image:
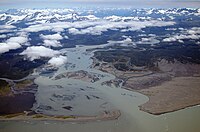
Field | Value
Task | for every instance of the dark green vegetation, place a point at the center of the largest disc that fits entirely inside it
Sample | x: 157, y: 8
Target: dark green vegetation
x: 25, y: 84
x: 124, y: 58
x: 15, y: 67
x: 4, y: 88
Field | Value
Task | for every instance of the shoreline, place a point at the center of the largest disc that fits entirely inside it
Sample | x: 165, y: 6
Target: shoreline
x: 104, y: 116
x: 159, y: 113
x: 186, y: 97
x: 153, y: 113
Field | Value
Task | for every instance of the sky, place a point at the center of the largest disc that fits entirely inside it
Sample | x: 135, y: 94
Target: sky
x: 6, y: 4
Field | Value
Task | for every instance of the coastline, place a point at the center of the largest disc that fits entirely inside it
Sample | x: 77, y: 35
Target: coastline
x: 178, y: 94
x: 161, y: 113
x: 104, y: 116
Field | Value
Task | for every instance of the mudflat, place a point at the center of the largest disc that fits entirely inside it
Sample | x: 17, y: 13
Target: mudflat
x: 179, y: 93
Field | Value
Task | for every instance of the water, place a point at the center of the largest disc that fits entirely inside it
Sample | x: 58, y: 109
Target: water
x: 51, y: 99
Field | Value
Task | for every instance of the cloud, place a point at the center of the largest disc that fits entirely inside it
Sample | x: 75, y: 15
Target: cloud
x: 6, y: 28
x: 37, y: 28
x: 73, y: 31
x: 127, y: 41
x: 104, y: 26
x: 52, y: 40
x: 150, y: 40
x: 193, y: 33
x: 58, y: 29
x: 170, y: 39
x: 98, y: 26
x: 126, y: 18
x: 12, y: 43
x: 20, y: 40
x: 52, y: 37
x: 5, y: 47
x: 53, y: 43
x: 146, y: 39
x: 3, y: 36
x: 97, y: 30
x: 58, y: 61
x: 66, y: 37
x: 181, y: 37
x: 36, y: 52
x: 194, y: 30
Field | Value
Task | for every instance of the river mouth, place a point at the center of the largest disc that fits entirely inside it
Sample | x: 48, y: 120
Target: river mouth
x: 69, y: 96
x: 72, y: 96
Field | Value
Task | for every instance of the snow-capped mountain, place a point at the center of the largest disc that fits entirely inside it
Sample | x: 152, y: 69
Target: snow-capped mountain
x: 35, y: 16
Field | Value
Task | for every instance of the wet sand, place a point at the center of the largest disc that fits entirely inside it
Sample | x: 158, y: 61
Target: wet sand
x: 105, y: 115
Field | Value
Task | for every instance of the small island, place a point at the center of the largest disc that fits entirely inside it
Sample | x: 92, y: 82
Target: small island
x: 80, y: 75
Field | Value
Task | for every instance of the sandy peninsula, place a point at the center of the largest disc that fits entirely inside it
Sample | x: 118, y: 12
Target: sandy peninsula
x: 179, y: 93
x: 103, y: 116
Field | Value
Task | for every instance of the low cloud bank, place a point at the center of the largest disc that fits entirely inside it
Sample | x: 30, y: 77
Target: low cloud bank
x: 58, y: 61
x: 12, y: 43
x: 52, y: 40
x: 99, y: 26
x: 36, y: 52
x: 192, y: 34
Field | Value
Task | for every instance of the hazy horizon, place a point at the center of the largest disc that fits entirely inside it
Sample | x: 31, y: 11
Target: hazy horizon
x: 8, y: 4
